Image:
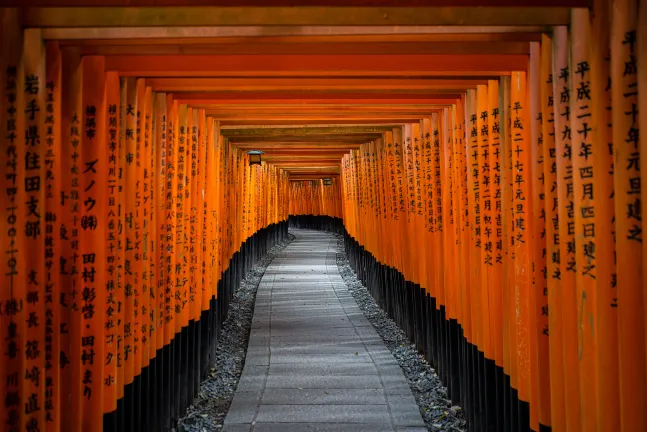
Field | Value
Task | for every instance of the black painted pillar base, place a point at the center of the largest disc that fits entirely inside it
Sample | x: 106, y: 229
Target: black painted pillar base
x: 319, y: 223
x: 473, y: 381
x: 163, y: 391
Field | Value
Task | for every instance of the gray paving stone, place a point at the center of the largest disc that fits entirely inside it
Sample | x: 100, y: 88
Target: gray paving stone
x: 322, y: 358
x: 323, y: 381
x: 323, y: 414
x: 321, y: 427
x: 237, y: 427
x: 328, y: 396
x: 324, y: 369
x: 243, y: 407
x: 314, y: 362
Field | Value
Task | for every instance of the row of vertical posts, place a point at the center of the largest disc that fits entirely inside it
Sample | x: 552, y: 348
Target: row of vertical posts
x: 504, y: 232
x: 313, y: 197
x: 315, y: 205
x: 125, y: 215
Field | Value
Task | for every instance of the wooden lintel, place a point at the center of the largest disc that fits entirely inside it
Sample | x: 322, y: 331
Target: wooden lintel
x: 302, y: 131
x: 365, y: 121
x: 252, y: 47
x: 293, y: 16
x: 147, y: 35
x: 279, y: 3
x: 290, y: 126
x: 315, y: 65
x: 301, y: 146
x: 314, y: 139
x: 439, y: 85
x: 384, y: 108
x: 264, y: 41
x: 313, y: 100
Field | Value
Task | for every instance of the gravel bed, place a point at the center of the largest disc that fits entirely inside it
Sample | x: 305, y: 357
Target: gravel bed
x: 437, y: 410
x: 208, y: 411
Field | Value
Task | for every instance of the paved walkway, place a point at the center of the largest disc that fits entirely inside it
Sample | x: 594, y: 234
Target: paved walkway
x: 314, y: 362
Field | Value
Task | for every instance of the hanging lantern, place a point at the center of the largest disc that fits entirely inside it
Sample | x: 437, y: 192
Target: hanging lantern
x: 327, y: 181
x: 254, y: 157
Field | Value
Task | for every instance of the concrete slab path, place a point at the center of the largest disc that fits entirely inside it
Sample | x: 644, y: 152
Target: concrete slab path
x: 314, y: 362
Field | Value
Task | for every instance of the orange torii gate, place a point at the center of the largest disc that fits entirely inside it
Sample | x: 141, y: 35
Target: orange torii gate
x: 488, y: 178
x: 523, y: 284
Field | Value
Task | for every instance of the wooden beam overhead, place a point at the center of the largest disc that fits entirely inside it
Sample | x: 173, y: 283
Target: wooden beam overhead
x: 315, y: 139
x: 284, y: 153
x: 314, y: 65
x: 275, y: 3
x: 440, y: 85
x: 307, y: 163
x: 297, y: 145
x: 199, y: 34
x: 293, y: 16
x: 283, y: 128
x: 477, y: 47
x: 311, y: 100
x: 310, y: 169
x: 267, y: 42
x: 301, y: 131
x: 386, y: 107
x: 322, y: 121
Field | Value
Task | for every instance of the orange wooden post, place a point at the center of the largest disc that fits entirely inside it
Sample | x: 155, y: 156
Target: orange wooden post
x: 521, y: 171
x: 152, y: 243
x: 161, y: 144
x: 399, y: 143
x: 191, y: 215
x: 495, y: 274
x: 210, y: 249
x: 509, y: 283
x: 506, y: 212
x: 144, y: 143
x: 428, y: 195
x: 484, y: 215
x: 113, y: 254
x: 129, y: 113
x: 31, y: 208
x: 627, y: 194
x: 538, y: 77
x: 449, y: 216
x: 408, y: 157
x: 217, y: 209
x: 537, y: 250
x: 136, y: 223
x: 71, y: 112
x: 170, y: 290
x: 606, y: 298
x: 203, y: 233
x: 419, y: 227
x: 475, y: 215
x: 554, y: 328
x: 12, y: 154
x: 566, y: 215
x: 93, y: 182
x: 376, y: 216
x: 53, y: 217
x: 463, y: 174
x: 583, y: 154
x: 394, y: 178
x: 642, y: 103
x: 182, y: 208
x: 438, y: 240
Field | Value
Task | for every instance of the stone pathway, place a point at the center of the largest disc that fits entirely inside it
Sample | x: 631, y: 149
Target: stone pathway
x: 314, y: 362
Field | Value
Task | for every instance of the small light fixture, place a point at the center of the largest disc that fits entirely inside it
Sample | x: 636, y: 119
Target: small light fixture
x: 254, y: 157
x: 327, y: 181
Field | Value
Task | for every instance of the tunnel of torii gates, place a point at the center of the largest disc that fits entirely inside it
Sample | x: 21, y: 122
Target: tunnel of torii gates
x: 485, y: 165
